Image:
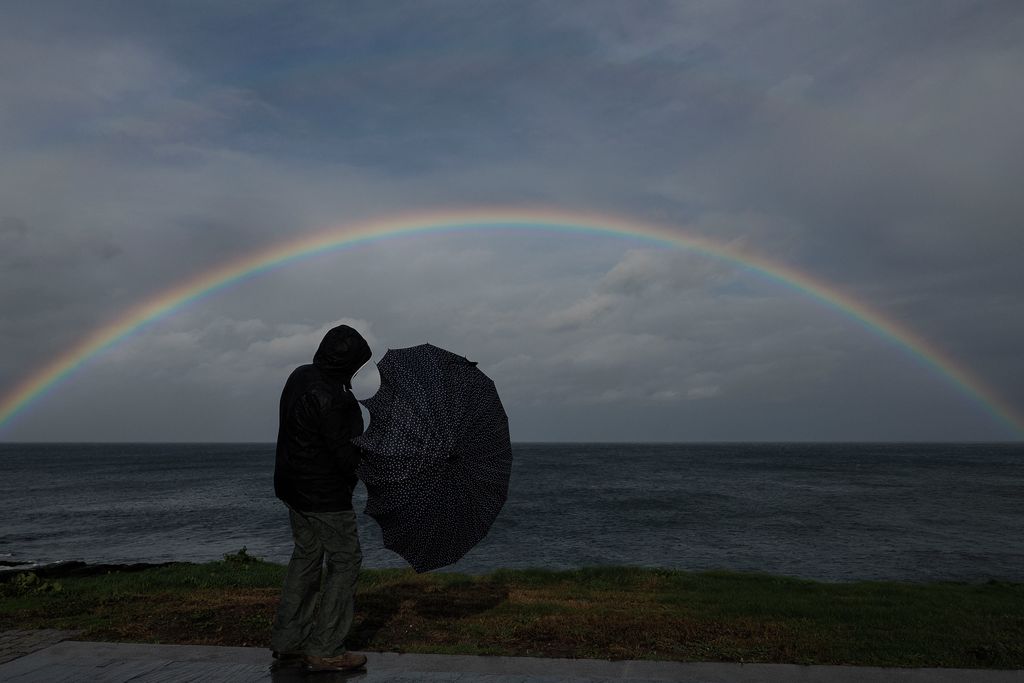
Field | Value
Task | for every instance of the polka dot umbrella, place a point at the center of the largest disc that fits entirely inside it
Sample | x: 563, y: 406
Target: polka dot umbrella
x: 436, y: 456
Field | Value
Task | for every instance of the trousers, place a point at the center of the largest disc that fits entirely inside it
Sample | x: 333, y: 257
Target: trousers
x: 318, y: 597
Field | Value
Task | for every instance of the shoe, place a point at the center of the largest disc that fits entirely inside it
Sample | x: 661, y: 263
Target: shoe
x: 345, y: 662
x: 287, y: 656
x: 285, y: 660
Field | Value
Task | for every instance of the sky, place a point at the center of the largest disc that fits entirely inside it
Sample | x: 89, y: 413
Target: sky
x: 874, y: 147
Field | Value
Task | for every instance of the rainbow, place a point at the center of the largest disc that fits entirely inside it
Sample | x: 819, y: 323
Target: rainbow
x: 44, y: 379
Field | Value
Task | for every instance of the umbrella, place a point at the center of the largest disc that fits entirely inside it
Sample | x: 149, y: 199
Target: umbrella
x: 436, y: 456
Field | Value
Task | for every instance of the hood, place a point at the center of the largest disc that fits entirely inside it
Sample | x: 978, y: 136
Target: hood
x: 341, y: 353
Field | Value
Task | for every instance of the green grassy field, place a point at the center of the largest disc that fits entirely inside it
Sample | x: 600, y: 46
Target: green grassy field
x: 601, y: 612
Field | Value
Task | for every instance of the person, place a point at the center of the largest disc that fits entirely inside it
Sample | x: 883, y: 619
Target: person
x: 314, y: 475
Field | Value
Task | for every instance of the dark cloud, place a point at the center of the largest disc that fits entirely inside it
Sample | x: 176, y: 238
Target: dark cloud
x: 876, y: 148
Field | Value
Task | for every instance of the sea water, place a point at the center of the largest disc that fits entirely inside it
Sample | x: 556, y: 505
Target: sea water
x: 835, y: 512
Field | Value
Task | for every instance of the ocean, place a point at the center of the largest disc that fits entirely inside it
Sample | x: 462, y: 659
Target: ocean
x: 834, y: 512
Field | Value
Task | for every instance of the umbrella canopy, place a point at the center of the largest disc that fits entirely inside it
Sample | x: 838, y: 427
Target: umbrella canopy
x: 436, y: 456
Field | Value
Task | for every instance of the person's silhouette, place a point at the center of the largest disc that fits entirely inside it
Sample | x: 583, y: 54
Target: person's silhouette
x: 315, y: 475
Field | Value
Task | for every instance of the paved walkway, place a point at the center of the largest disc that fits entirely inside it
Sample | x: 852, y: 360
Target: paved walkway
x: 20, y: 642
x: 116, y: 662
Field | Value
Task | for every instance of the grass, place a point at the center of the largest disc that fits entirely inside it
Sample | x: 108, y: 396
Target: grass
x: 598, y: 612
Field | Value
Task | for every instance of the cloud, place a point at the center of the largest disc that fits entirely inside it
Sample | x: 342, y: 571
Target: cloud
x: 240, y: 355
x: 580, y: 313
x: 873, y: 149
x: 653, y: 271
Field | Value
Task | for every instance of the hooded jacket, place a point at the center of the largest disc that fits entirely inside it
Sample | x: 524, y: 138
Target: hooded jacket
x: 316, y: 462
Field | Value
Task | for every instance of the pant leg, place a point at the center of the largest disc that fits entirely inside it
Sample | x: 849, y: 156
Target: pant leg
x: 340, y: 538
x: 301, y: 587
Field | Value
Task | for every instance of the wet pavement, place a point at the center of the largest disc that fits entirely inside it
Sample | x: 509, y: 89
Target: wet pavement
x: 120, y: 662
